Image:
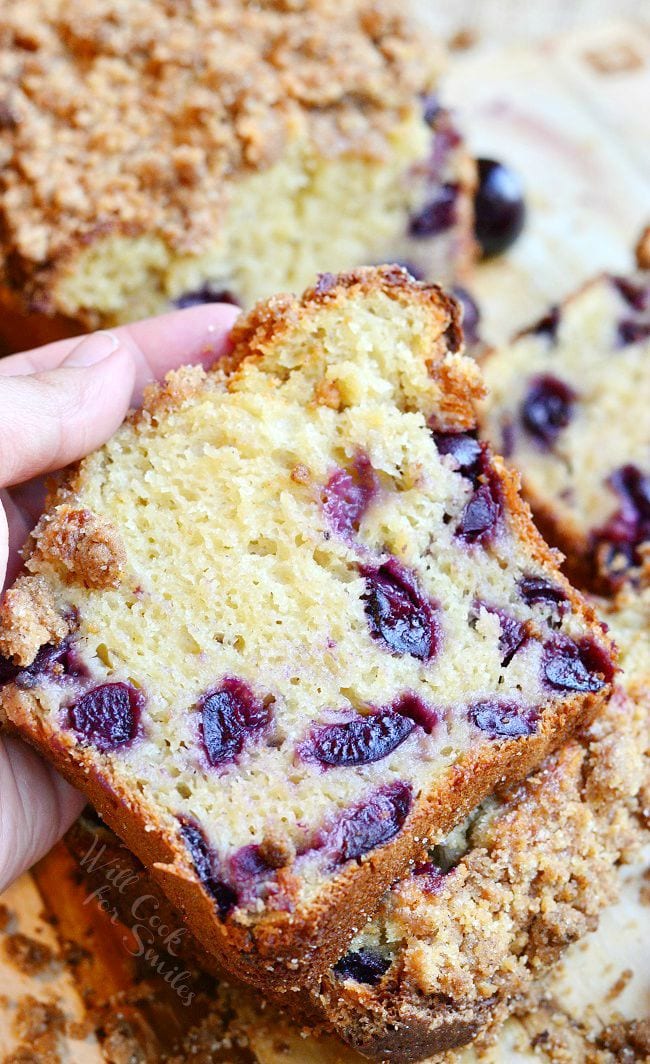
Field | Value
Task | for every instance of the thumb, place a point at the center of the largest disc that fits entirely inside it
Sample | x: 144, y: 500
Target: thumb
x: 50, y: 419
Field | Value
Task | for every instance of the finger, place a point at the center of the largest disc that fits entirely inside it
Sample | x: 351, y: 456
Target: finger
x: 36, y: 808
x: 48, y: 420
x: 197, y: 335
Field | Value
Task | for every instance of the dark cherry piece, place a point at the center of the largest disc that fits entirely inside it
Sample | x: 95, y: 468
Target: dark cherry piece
x: 437, y: 215
x: 249, y: 874
x: 360, y: 741
x: 398, y: 613
x: 547, y: 408
x: 503, y: 720
x: 547, y: 326
x: 229, y: 715
x: 479, y: 519
x: 464, y: 448
x: 635, y: 295
x: 513, y: 632
x: 431, y: 876
x: 632, y: 332
x: 372, y: 824
x: 206, y: 294
x: 108, y: 716
x: 500, y: 211
x: 536, y: 589
x: 412, y: 706
x: 630, y: 526
x: 471, y: 318
x: 225, y: 897
x: 569, y: 666
x: 363, y: 965
x: 54, y: 663
x: 348, y: 494
x: 431, y: 108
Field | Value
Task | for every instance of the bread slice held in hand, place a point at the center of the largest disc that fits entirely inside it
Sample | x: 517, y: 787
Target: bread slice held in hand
x: 293, y: 622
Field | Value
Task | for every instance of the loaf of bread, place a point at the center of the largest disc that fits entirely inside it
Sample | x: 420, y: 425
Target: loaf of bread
x: 293, y: 623
x: 161, y: 154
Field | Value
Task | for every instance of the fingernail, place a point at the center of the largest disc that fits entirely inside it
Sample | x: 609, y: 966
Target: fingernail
x: 93, y: 349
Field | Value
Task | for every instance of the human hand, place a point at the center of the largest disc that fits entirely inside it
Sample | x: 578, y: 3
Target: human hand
x: 57, y: 403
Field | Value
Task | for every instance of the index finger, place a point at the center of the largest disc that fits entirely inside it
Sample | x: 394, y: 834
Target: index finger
x: 198, y: 334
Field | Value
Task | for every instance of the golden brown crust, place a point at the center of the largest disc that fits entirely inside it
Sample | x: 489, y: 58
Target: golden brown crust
x: 270, y: 320
x: 280, y: 950
x: 29, y: 619
x: 82, y: 547
x: 86, y: 87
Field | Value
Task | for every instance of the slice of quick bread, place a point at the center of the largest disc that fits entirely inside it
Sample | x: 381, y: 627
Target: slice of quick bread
x: 568, y: 404
x: 293, y: 622
x: 160, y: 154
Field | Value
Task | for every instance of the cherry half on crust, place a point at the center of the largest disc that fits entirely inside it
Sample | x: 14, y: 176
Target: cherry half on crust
x: 437, y: 215
x: 363, y: 827
x: 503, y: 720
x: 229, y: 716
x: 207, y: 293
x: 204, y: 860
x: 569, y: 666
x: 108, y: 716
x: 363, y: 965
x: 617, y: 543
x: 547, y: 408
x: 399, y: 615
x: 348, y: 494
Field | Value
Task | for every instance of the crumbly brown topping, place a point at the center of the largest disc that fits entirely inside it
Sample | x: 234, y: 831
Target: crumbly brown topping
x: 27, y: 954
x: 35, y: 1019
x: 86, y: 549
x: 28, y: 619
x: 129, y: 114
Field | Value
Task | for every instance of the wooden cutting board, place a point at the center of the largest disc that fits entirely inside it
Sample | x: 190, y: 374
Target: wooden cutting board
x: 571, y: 115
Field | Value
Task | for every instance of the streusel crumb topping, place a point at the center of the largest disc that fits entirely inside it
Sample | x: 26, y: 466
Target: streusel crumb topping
x: 130, y: 115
